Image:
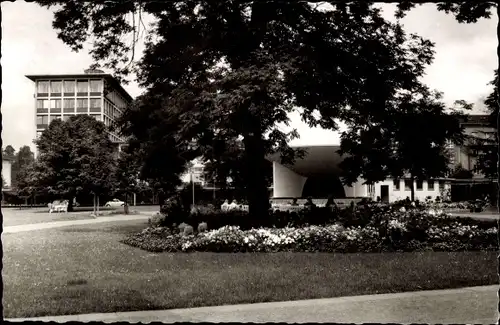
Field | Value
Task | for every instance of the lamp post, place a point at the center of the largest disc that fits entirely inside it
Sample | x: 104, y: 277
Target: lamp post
x: 192, y: 182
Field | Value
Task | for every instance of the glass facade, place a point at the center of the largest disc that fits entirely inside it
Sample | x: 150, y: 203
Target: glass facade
x: 69, y: 105
x: 55, y: 88
x: 55, y: 106
x: 42, y: 106
x: 69, y: 87
x: 82, y: 105
x: 42, y: 121
x: 95, y: 104
x: 63, y: 98
x: 42, y: 88
x: 96, y: 87
x: 82, y: 87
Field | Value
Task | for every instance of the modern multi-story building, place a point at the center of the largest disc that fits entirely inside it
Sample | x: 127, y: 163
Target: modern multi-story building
x: 93, y: 93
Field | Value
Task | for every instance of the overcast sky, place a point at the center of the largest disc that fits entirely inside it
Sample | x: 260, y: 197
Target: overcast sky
x: 464, y: 62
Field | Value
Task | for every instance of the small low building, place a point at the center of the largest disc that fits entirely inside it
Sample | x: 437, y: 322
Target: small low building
x: 317, y: 175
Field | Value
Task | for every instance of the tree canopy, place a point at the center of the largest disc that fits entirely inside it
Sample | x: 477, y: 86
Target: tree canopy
x: 75, y: 157
x: 23, y: 158
x: 412, y: 141
x: 472, y: 12
x: 218, y: 70
x: 9, y: 151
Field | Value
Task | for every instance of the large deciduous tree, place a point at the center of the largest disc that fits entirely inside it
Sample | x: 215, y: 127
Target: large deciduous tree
x: 126, y: 178
x: 23, y: 158
x: 472, y: 12
x: 236, y: 69
x: 410, y: 141
x: 75, y: 157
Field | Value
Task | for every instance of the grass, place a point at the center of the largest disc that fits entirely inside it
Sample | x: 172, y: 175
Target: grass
x: 17, y: 217
x: 84, y: 269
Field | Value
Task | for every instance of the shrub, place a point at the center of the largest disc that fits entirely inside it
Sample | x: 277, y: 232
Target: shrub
x: 188, y: 230
x: 174, y: 211
x: 202, y: 227
x: 181, y: 227
x: 156, y: 220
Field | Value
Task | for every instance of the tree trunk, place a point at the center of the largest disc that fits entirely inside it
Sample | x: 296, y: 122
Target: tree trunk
x: 258, y: 198
x: 125, y: 206
x: 97, y: 205
x: 498, y: 114
x: 412, y: 188
x: 93, y: 208
x: 70, y: 204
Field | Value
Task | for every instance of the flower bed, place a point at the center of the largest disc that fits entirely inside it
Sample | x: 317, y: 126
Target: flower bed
x: 386, y: 230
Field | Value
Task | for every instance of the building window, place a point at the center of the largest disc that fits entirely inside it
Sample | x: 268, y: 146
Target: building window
x: 82, y: 105
x: 42, y: 121
x: 42, y: 88
x: 420, y: 185
x: 441, y: 185
x: 430, y: 185
x: 95, y: 104
x: 408, y: 184
x: 42, y: 106
x: 69, y: 105
x: 82, y: 87
x: 55, y: 88
x: 55, y: 106
x: 95, y: 87
x: 96, y: 116
x: 69, y: 87
x: 54, y: 117
x: 66, y: 117
x: 395, y: 184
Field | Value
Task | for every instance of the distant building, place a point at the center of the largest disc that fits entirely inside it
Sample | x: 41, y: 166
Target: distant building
x: 476, y: 126
x: 194, y: 174
x: 317, y: 174
x: 93, y: 93
x: 7, y: 172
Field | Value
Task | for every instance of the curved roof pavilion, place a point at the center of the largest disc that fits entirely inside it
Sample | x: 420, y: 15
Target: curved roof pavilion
x: 317, y: 161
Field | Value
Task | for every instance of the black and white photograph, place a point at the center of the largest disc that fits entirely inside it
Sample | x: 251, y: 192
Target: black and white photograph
x: 250, y: 161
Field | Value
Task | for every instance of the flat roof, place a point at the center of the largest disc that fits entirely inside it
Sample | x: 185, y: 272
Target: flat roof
x: 475, y: 119
x: 114, y: 82
x: 318, y: 160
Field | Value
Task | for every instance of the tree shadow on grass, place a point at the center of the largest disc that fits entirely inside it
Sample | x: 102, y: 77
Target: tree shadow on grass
x: 118, y: 229
x: 83, y: 298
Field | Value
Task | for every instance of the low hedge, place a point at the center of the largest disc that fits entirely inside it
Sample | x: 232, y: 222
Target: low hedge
x: 362, y: 216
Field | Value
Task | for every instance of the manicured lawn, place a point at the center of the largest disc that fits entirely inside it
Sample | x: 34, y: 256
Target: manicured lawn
x: 85, y: 269
x: 17, y: 217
